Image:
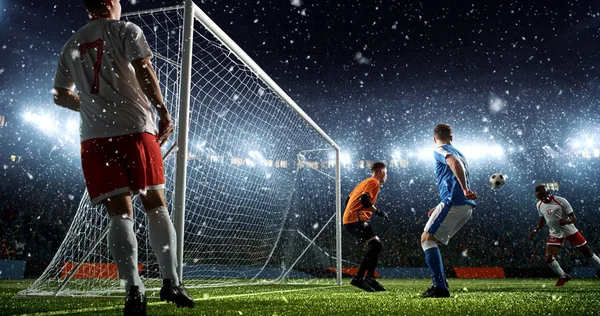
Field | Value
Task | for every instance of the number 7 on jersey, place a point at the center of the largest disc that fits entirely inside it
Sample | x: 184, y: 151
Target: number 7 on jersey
x: 99, y: 45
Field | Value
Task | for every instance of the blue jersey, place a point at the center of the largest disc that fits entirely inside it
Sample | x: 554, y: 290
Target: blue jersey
x: 448, y: 185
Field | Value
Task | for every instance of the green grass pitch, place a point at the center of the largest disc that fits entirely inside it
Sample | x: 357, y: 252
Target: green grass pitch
x: 468, y: 297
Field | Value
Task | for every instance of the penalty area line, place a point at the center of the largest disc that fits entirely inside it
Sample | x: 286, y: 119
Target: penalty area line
x: 207, y: 298
x: 150, y: 303
x: 76, y: 311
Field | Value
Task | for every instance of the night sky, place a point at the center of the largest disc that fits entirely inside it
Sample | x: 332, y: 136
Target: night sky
x: 375, y: 75
x: 374, y: 64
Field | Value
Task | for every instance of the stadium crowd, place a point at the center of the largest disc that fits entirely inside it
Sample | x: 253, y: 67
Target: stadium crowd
x: 39, y: 201
x: 36, y: 209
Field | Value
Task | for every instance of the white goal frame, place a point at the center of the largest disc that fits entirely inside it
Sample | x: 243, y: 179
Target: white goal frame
x: 191, y: 12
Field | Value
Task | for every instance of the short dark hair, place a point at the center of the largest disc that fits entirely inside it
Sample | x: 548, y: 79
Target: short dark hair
x: 442, y: 132
x: 377, y: 165
x: 94, y: 5
x: 541, y: 187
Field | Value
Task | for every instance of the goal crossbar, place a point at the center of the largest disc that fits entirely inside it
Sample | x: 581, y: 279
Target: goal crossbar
x: 249, y: 62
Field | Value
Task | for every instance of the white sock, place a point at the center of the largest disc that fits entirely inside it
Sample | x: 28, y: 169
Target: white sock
x: 163, y: 241
x: 595, y: 260
x: 556, y: 268
x: 123, y: 247
x: 428, y: 244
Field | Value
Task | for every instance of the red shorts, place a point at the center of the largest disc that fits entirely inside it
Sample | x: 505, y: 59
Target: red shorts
x: 576, y: 240
x: 128, y: 163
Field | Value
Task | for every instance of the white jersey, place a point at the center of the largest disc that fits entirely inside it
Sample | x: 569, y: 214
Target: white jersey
x: 97, y: 60
x: 554, y: 210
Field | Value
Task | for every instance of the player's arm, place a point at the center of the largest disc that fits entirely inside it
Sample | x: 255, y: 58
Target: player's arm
x: 66, y: 98
x: 64, y: 85
x: 146, y: 77
x: 365, y: 201
x: 566, y: 206
x: 571, y: 220
x: 459, y: 172
x: 539, y: 226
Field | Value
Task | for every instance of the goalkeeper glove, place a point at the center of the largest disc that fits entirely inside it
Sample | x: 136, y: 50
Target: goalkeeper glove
x: 383, y: 214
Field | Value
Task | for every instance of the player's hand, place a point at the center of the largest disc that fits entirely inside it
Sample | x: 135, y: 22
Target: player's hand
x: 430, y: 212
x: 383, y: 214
x: 470, y: 195
x: 532, y: 234
x: 165, y: 129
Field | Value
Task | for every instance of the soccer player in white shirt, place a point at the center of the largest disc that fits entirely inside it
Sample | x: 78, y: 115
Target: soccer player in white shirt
x: 109, y: 62
x: 558, y: 214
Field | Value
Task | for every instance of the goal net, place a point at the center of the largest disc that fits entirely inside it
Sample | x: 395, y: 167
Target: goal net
x: 261, y: 192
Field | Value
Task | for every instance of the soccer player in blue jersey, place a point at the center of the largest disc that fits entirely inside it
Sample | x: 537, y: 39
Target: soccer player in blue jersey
x: 454, y: 210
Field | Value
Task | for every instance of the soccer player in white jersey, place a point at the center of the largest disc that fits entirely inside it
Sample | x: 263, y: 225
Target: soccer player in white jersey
x: 109, y: 62
x: 454, y: 210
x: 558, y: 214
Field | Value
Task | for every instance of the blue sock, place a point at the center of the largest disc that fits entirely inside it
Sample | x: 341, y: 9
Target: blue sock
x: 434, y: 262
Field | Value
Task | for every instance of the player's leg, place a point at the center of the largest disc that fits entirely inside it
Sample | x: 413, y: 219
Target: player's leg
x: 433, y: 257
x: 161, y: 233
x: 579, y: 242
x: 552, y: 249
x: 148, y: 178
x: 587, y: 251
x: 121, y: 238
x: 122, y: 243
x: 163, y: 241
x: 145, y: 173
x: 443, y: 224
x: 362, y: 233
x: 107, y: 183
x: 374, y: 248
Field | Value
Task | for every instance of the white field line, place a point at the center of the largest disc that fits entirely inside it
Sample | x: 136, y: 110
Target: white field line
x: 205, y: 298
x: 455, y: 289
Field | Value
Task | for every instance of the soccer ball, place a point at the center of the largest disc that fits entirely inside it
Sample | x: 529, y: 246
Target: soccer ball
x: 497, y: 180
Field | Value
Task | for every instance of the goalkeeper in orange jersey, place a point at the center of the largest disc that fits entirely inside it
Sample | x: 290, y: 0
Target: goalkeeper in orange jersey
x: 360, y: 207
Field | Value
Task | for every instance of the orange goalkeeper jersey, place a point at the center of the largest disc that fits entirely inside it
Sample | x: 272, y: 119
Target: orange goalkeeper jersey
x: 354, y: 210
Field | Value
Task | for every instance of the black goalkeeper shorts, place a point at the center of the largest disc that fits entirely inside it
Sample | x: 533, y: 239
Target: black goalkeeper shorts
x: 362, y: 231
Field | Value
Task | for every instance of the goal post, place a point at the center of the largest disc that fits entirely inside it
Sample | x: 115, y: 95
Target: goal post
x: 254, y: 186
x: 227, y: 41
x: 178, y: 214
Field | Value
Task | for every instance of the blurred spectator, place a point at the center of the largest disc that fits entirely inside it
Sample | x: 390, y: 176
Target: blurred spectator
x: 40, y: 198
